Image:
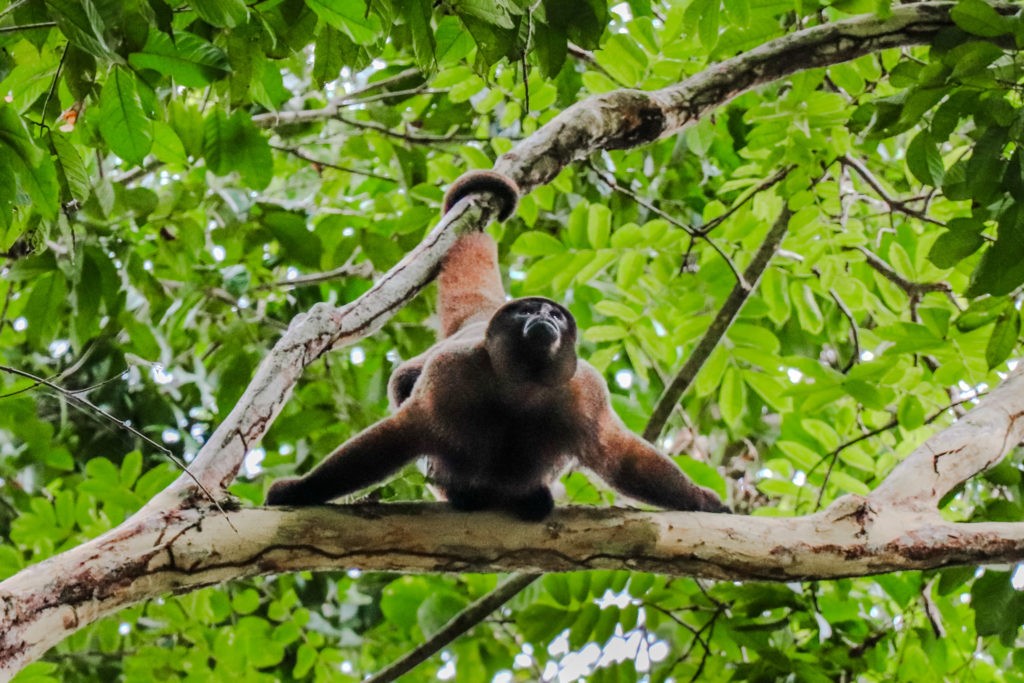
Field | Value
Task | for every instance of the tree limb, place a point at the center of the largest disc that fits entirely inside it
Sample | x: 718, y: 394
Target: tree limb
x: 459, y: 624
x: 741, y: 291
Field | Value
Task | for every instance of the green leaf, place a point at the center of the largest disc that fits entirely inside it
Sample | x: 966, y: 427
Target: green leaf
x: 1001, y: 269
x: 188, y: 59
x: 298, y: 243
x: 605, y: 333
x: 924, y: 160
x: 981, y: 312
x: 71, y: 167
x: 1004, y: 338
x: 583, y: 21
x: 29, y: 167
x: 492, y: 41
x: 704, y: 14
x: 123, y: 122
x: 731, y: 396
x: 631, y: 267
x: 350, y: 17
x: 599, y: 225
x: 551, y: 45
x: 495, y: 12
x: 416, y: 14
x: 45, y: 307
x: 962, y: 239
x: 617, y: 309
x: 82, y: 24
x: 537, y: 244
x: 235, y: 144
x: 583, y: 625
x: 703, y: 474
x: 972, y: 58
x: 995, y: 603
x: 305, y: 658
x: 221, y: 13
x: 911, y: 412
x: 979, y: 18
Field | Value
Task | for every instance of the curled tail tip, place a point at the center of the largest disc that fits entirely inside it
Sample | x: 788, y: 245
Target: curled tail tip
x: 478, y: 180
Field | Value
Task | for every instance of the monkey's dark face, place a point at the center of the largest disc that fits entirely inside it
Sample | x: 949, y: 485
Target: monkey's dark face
x: 533, y: 340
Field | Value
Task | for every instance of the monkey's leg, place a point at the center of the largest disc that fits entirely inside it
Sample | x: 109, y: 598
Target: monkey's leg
x: 534, y: 506
x: 634, y: 467
x: 468, y: 499
x: 365, y: 459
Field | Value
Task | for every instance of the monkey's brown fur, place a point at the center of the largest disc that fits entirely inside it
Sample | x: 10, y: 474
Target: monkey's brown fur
x: 500, y: 406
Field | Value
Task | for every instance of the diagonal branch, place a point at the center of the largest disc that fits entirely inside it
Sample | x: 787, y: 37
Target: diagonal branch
x: 741, y: 291
x: 975, y: 442
x: 459, y: 624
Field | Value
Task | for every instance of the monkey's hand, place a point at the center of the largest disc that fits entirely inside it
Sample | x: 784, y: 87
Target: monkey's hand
x: 634, y: 467
x: 285, y: 492
x: 710, y: 502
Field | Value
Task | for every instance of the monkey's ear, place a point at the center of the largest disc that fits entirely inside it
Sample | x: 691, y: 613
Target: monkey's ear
x: 367, y: 458
x: 637, y: 469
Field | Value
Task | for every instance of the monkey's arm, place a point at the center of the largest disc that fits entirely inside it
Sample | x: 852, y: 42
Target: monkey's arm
x: 367, y: 458
x: 634, y: 467
x: 469, y: 286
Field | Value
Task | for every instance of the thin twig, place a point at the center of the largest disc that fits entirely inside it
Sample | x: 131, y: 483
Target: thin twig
x: 893, y: 203
x: 737, y: 297
x: 363, y: 269
x: 613, y: 183
x: 8, y: 297
x: 89, y: 405
x: 587, y: 57
x: 912, y: 289
x: 53, y: 83
x: 775, y: 179
x: 931, y: 610
x: 418, y: 138
x: 848, y: 314
x: 13, y: 6
x: 318, y: 164
x: 459, y: 624
x: 833, y: 456
x: 27, y: 27
x: 280, y: 118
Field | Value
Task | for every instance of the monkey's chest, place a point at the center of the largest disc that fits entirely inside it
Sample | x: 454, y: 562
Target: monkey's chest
x: 494, y: 442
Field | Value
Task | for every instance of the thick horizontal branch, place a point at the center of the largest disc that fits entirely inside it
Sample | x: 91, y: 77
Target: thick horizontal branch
x: 172, y: 553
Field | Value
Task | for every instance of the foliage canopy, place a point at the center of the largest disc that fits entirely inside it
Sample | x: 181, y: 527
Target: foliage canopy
x: 178, y: 182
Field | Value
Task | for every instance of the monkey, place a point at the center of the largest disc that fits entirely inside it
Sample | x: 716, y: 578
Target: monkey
x: 500, y: 406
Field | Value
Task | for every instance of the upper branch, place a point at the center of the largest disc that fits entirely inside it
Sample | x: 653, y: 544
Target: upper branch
x: 627, y: 118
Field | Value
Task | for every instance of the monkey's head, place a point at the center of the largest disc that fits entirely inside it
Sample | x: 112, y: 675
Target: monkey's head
x: 533, y: 340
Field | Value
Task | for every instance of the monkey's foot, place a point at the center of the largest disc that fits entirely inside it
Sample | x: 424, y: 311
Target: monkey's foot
x: 534, y: 506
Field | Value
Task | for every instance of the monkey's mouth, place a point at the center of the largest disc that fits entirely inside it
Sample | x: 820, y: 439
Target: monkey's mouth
x: 542, y: 330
